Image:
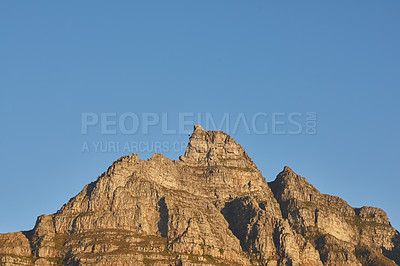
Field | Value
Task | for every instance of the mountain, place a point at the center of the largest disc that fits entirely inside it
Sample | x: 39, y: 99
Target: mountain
x: 212, y: 207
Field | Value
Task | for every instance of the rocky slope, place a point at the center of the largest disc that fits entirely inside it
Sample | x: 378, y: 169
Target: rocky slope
x: 212, y: 207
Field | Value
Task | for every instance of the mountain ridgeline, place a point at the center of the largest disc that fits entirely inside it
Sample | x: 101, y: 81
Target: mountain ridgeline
x: 212, y: 207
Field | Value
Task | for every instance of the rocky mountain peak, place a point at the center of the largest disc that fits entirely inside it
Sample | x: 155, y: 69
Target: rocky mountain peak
x: 289, y: 185
x: 213, y: 207
x: 197, y: 128
x: 287, y: 169
x: 215, y: 148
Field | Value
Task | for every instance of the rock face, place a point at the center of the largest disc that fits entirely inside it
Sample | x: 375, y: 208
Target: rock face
x: 212, y: 207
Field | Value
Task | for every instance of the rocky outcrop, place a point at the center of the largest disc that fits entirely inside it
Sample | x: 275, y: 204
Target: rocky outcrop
x: 212, y: 207
x: 343, y: 235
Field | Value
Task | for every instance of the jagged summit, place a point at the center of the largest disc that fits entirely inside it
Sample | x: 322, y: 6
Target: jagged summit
x: 212, y: 207
x: 215, y: 148
x: 287, y: 169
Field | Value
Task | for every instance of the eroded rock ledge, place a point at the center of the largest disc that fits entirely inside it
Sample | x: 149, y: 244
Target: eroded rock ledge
x: 212, y: 207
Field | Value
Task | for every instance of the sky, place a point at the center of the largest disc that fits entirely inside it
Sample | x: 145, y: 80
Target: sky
x: 85, y: 82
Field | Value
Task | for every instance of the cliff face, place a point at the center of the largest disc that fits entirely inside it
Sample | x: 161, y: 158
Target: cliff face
x: 212, y: 207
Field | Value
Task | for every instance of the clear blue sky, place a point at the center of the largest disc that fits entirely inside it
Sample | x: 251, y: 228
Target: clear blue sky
x: 58, y: 60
